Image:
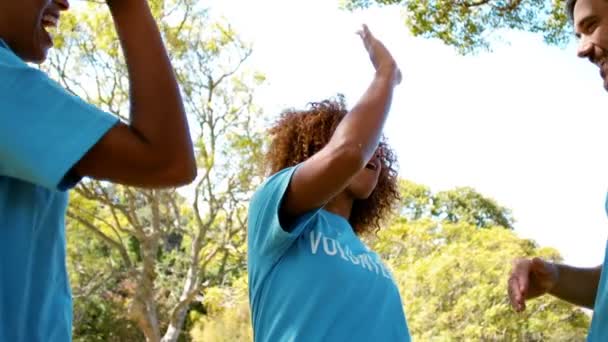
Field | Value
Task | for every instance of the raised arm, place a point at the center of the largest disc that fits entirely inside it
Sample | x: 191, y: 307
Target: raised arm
x: 328, y: 172
x: 155, y: 148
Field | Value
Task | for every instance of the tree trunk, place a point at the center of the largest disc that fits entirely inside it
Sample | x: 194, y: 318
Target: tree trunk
x: 189, y: 291
x: 143, y: 307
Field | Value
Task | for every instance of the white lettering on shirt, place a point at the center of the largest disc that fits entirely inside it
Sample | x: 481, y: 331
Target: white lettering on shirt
x: 332, y: 247
x: 314, y: 243
x: 326, y: 247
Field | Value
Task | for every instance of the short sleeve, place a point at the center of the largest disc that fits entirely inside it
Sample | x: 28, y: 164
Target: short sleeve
x: 44, y: 129
x: 267, y: 237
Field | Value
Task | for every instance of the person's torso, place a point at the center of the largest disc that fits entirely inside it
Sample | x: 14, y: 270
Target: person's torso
x: 328, y: 286
x: 35, y: 298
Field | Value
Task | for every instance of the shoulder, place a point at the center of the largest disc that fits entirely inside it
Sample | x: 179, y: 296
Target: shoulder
x: 275, y: 184
x: 9, y: 58
x: 20, y: 81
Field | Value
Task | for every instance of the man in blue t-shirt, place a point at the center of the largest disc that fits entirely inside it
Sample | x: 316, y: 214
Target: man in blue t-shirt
x: 586, y: 287
x: 50, y: 139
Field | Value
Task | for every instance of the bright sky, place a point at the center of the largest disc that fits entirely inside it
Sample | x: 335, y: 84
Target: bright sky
x: 523, y: 125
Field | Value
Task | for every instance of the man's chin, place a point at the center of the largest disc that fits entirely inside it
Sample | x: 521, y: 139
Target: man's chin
x: 40, y: 48
x: 39, y: 59
x: 37, y: 56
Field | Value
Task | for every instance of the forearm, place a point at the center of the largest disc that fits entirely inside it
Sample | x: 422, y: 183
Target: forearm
x: 577, y: 285
x: 157, y: 112
x: 362, y: 127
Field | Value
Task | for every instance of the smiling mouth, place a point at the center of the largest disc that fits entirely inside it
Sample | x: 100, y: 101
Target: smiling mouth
x: 371, y: 166
x: 50, y: 21
x: 601, y: 63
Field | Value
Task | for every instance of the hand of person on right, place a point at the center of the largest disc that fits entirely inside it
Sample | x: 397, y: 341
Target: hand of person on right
x: 530, y: 278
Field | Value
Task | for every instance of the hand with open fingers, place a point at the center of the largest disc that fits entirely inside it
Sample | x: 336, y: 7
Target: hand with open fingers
x: 381, y: 58
x: 529, y: 279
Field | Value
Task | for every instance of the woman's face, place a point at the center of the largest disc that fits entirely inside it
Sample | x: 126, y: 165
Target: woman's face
x: 364, y: 182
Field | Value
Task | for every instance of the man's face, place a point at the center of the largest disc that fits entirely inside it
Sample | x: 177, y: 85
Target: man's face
x: 591, y: 26
x: 24, y: 24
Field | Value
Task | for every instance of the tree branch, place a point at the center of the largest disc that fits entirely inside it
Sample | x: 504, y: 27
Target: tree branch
x: 121, y: 249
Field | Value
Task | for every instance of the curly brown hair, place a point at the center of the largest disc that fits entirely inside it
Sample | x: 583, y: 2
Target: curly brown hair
x: 299, y: 134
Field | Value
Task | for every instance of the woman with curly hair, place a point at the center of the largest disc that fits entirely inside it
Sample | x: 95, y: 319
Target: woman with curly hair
x: 332, y: 178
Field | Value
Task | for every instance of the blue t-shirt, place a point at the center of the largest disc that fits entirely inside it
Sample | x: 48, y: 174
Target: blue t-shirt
x: 318, y: 282
x: 44, y: 131
x: 599, y: 323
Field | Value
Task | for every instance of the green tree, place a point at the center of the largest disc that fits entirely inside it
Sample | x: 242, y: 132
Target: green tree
x: 462, y: 204
x: 148, y: 256
x: 467, y: 25
x: 452, y: 274
x: 416, y: 200
x: 228, y: 316
x: 453, y: 277
x: 100, y: 303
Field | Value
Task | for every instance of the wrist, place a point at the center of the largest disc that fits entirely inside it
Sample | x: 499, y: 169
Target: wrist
x: 554, y: 269
x: 123, y: 6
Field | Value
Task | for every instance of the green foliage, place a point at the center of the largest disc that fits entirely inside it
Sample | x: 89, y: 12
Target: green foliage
x: 452, y: 275
x: 101, y: 319
x: 453, y: 283
x: 461, y: 204
x: 467, y: 25
x: 466, y: 205
x: 99, y: 296
x: 228, y: 317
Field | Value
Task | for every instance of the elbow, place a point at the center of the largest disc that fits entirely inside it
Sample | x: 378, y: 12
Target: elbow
x: 186, y: 176
x: 182, y: 167
x: 349, y: 156
x: 181, y: 172
x: 170, y: 170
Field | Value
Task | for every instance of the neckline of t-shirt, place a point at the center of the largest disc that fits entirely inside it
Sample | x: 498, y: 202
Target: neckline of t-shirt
x: 341, y: 218
x: 340, y: 223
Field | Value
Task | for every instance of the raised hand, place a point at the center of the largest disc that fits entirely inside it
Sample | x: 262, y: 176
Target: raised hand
x: 381, y: 58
